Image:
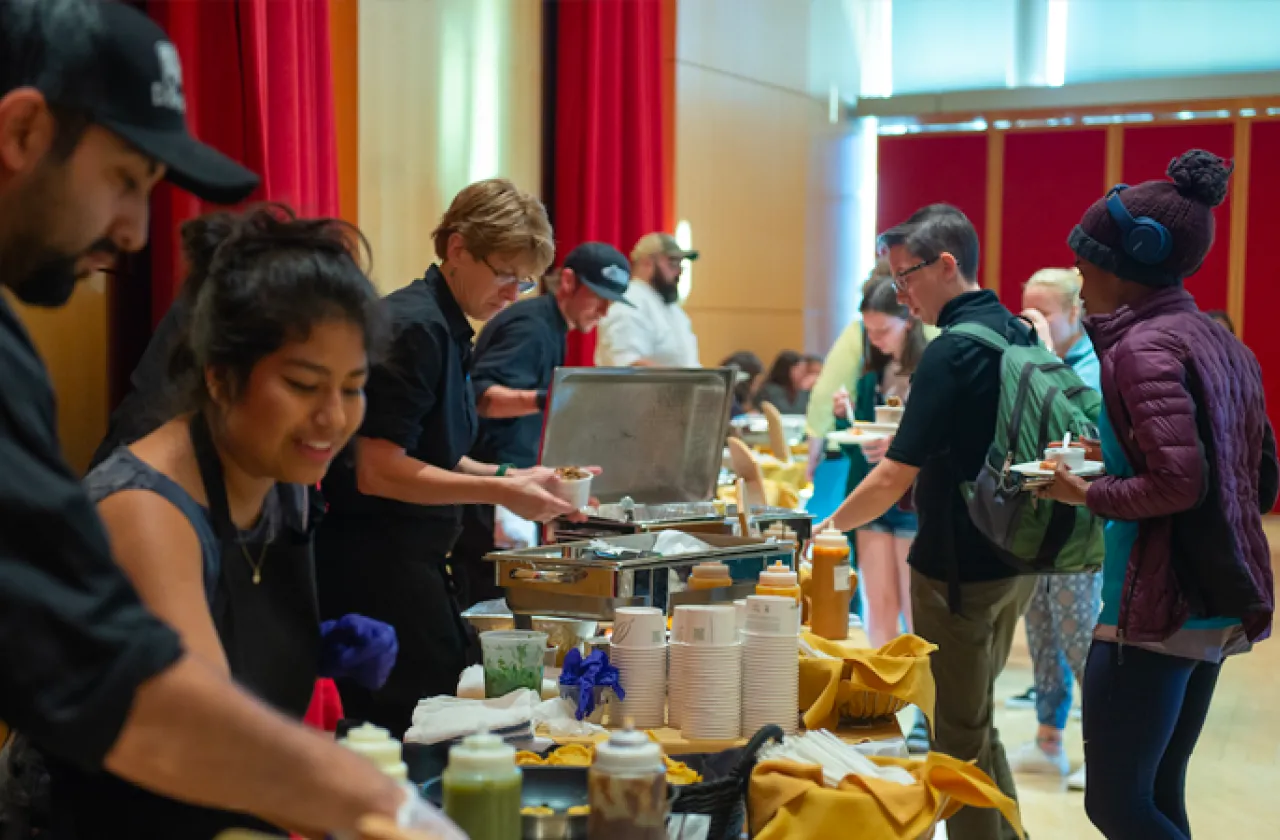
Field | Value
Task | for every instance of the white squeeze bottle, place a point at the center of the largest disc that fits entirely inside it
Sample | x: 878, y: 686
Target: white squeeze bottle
x: 377, y: 745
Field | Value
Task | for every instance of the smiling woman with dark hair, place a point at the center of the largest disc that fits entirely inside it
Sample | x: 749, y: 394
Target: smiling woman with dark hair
x: 210, y: 515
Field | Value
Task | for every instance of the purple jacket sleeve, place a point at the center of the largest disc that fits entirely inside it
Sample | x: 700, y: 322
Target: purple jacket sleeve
x: 1151, y: 381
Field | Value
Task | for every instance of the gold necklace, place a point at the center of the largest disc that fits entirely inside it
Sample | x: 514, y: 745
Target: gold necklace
x: 257, y: 567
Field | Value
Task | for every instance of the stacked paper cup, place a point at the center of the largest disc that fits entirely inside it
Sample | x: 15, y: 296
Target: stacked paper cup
x: 771, y: 664
x: 639, y: 651
x: 706, y: 672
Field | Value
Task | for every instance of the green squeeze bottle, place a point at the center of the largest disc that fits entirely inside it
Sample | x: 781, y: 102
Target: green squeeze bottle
x: 482, y: 788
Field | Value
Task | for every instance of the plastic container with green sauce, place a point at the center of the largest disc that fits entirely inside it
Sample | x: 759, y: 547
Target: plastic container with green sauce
x: 482, y: 788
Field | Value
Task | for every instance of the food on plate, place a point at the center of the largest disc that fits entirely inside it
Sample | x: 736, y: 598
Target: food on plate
x: 893, y: 402
x: 1051, y: 466
x: 583, y: 755
x: 537, y: 811
x: 579, y: 810
x: 572, y: 473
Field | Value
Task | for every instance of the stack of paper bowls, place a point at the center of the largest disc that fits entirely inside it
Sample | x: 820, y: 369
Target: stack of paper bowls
x: 706, y: 672
x: 639, y: 651
x: 771, y: 664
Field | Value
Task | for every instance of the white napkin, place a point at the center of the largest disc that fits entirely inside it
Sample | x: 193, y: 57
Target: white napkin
x: 444, y: 718
x: 560, y: 717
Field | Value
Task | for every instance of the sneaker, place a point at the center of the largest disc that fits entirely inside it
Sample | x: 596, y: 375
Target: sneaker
x: 1025, y: 700
x: 1032, y: 758
x: 1076, y: 780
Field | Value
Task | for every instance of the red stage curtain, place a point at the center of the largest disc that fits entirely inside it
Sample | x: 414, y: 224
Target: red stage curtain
x: 1050, y: 178
x: 915, y: 170
x: 1147, y: 153
x: 608, y: 177
x: 271, y: 109
x: 1262, y: 274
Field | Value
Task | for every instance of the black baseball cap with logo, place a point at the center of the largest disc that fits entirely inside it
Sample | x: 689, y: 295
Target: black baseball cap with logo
x: 138, y: 96
x: 602, y: 269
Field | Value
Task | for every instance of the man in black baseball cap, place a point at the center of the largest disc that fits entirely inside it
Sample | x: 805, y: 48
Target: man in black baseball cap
x: 516, y: 354
x: 91, y: 118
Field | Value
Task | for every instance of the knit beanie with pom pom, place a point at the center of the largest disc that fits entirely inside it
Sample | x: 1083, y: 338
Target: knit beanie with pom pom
x: 1183, y: 205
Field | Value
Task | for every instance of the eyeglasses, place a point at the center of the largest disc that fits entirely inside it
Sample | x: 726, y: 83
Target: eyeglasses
x: 522, y: 284
x: 900, y: 281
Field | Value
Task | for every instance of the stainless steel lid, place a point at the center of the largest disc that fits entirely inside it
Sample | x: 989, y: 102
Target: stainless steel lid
x: 657, y: 433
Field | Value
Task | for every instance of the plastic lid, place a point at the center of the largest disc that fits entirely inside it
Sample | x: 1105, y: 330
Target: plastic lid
x: 367, y: 733
x: 629, y: 752
x: 831, y: 538
x: 778, y: 575
x: 710, y: 570
x: 483, y: 754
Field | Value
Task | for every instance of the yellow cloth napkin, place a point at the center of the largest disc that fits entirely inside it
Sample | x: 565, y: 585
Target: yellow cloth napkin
x: 788, y: 800
x: 830, y: 688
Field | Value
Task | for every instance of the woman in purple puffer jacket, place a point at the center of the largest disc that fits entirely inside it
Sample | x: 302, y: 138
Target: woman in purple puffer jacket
x: 1191, y: 468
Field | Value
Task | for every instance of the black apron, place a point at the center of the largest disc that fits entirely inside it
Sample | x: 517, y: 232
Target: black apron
x: 382, y: 567
x: 271, y: 634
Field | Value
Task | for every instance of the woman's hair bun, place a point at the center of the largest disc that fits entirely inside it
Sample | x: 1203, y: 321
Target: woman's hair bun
x: 1201, y: 176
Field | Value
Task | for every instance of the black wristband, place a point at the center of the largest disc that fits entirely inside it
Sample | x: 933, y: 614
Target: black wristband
x: 540, y: 400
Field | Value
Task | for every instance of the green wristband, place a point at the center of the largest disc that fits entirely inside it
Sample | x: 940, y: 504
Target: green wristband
x: 502, y: 469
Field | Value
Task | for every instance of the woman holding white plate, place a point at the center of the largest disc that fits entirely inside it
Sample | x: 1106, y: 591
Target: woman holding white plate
x: 895, y: 342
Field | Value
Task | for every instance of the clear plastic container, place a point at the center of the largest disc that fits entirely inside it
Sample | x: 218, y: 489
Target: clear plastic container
x: 512, y: 659
x: 627, y: 789
x: 482, y: 786
x: 831, y: 589
x: 780, y: 581
x: 710, y: 576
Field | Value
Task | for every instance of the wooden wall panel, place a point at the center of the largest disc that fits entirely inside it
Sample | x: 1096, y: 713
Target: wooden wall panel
x: 1261, y: 271
x: 72, y: 340
x: 450, y: 92
x: 344, y: 50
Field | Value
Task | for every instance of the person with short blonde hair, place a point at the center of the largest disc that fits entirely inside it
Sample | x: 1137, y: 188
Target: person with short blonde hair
x: 394, y: 516
x: 1064, y: 608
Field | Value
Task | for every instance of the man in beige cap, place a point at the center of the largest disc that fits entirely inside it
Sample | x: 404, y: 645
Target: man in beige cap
x: 654, y: 331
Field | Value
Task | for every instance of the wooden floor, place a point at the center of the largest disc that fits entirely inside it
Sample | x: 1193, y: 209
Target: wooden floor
x: 1233, y: 788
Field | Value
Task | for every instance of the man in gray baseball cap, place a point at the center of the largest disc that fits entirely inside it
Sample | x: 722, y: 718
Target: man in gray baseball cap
x: 654, y: 331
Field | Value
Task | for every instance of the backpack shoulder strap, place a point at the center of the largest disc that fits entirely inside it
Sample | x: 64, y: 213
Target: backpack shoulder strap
x: 981, y: 334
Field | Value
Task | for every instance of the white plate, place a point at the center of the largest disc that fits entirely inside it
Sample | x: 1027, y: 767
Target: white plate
x: 1034, y: 470
x: 848, y: 438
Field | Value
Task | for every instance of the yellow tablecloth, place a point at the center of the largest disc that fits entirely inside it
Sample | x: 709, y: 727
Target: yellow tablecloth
x: 830, y: 688
x: 788, y: 800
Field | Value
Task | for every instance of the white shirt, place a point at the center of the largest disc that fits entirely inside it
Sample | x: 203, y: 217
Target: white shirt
x: 652, y: 331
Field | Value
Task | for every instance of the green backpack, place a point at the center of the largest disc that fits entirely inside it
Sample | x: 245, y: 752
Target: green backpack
x: 1041, y: 398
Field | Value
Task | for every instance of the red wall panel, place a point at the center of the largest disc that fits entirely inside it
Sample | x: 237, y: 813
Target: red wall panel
x: 1262, y: 272
x: 915, y: 170
x: 1050, y: 178
x: 1147, y: 153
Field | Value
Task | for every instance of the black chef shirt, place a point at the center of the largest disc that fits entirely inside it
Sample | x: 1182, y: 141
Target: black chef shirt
x: 418, y: 397
x: 520, y: 348
x: 75, y: 641
x: 947, y: 430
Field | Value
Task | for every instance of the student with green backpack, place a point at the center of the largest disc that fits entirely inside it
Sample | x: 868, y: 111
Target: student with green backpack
x: 985, y: 396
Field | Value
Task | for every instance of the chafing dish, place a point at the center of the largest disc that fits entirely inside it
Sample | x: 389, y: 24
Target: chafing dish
x: 591, y: 579
x: 658, y: 434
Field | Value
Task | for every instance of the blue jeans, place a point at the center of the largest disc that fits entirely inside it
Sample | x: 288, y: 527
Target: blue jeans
x: 1060, y: 622
x: 1143, y: 713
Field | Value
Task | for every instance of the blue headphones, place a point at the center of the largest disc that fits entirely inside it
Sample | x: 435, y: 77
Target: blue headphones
x: 1144, y: 239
